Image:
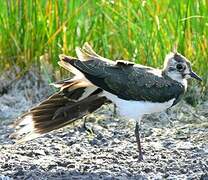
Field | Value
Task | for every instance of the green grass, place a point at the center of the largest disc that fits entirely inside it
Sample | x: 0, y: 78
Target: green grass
x: 140, y: 31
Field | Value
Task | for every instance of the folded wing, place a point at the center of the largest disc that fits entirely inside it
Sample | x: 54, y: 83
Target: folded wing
x: 127, y: 81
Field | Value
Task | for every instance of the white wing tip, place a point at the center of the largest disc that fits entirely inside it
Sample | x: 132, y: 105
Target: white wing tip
x: 25, y: 130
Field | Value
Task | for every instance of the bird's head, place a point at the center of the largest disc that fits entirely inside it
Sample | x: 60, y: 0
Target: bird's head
x: 178, y: 68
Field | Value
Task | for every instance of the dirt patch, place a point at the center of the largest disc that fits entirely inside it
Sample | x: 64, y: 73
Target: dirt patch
x: 175, y: 143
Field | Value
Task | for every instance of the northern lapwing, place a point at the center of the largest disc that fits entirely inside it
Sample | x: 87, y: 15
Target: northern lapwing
x: 134, y: 89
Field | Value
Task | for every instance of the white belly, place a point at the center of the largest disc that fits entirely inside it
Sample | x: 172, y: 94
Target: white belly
x: 136, y: 109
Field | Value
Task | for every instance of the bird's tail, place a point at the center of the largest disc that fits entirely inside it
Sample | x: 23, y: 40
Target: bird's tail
x: 77, y: 97
x: 57, y: 111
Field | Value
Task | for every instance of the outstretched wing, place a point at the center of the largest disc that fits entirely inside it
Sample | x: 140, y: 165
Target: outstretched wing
x: 128, y: 81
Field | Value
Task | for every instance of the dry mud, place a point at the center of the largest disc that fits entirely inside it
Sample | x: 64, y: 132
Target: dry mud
x: 175, y: 143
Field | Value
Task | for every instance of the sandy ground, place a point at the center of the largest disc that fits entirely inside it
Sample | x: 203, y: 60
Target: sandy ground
x: 175, y: 143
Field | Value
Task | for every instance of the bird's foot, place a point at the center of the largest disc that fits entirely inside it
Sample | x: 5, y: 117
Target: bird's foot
x: 140, y: 157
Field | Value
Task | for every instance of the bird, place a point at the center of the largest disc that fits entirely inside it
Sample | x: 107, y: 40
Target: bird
x: 134, y: 89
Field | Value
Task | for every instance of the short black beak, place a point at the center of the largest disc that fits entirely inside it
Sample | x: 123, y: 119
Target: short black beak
x: 195, y: 76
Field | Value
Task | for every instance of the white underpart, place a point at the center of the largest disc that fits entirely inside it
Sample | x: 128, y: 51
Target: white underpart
x: 136, y: 109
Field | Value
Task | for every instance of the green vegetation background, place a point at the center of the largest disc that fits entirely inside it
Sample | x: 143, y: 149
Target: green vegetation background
x: 140, y: 31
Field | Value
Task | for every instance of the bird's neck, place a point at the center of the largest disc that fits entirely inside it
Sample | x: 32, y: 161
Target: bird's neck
x: 176, y: 78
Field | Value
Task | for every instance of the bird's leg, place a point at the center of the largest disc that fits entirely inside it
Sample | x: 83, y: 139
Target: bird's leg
x: 167, y: 113
x: 87, y: 129
x: 114, y: 110
x: 113, y: 115
x: 137, y: 134
x: 84, y: 124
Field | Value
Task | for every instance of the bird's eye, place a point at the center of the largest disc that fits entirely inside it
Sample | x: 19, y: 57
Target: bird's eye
x: 180, y: 67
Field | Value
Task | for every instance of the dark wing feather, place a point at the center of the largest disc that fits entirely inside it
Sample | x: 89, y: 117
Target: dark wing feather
x: 129, y: 82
